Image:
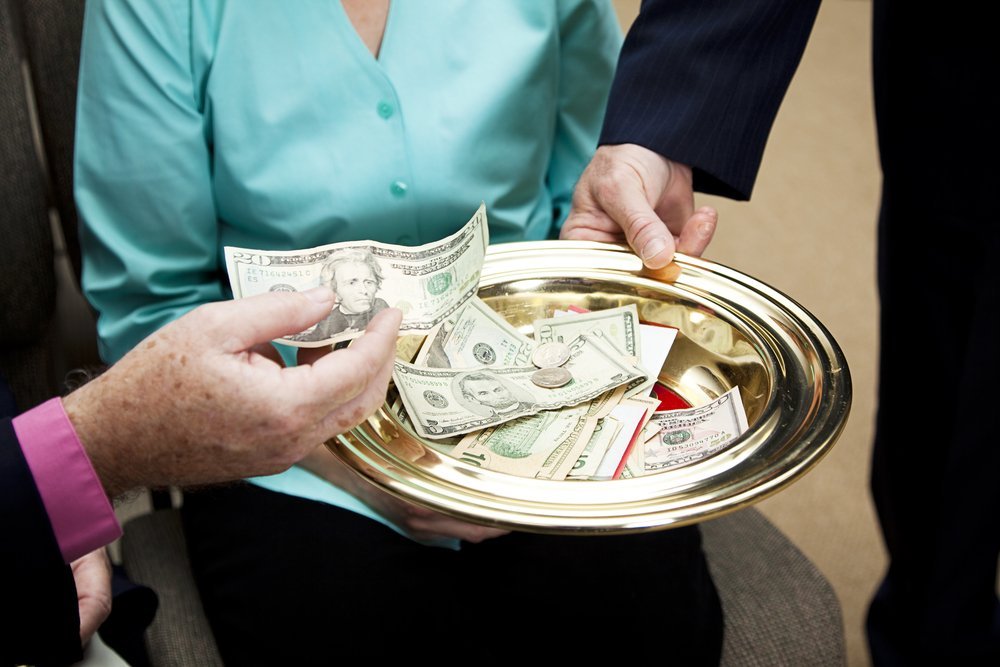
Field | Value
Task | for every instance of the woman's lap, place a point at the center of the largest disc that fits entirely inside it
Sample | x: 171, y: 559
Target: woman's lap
x: 288, y: 579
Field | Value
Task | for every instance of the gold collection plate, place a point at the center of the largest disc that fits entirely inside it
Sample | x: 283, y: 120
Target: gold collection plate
x: 734, y: 330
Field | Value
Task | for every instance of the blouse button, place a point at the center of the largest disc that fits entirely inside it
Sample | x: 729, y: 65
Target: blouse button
x: 398, y: 189
x: 385, y: 110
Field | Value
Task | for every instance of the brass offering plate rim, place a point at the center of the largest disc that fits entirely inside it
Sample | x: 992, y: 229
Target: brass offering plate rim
x: 800, y: 419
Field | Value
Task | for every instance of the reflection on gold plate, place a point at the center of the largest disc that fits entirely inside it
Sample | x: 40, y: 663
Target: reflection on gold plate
x: 734, y: 330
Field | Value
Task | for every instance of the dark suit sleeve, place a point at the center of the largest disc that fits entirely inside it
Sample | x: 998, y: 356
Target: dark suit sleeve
x: 39, y: 619
x: 700, y: 82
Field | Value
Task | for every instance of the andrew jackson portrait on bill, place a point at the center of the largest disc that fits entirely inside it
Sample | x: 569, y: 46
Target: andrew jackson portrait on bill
x: 427, y: 282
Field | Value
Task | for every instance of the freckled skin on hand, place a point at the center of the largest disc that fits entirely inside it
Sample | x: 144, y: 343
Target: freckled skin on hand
x: 150, y: 421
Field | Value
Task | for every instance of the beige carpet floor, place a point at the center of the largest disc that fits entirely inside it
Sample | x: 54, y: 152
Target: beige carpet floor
x: 809, y: 231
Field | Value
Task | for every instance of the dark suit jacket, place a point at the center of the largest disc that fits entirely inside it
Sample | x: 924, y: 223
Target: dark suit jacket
x: 39, y: 619
x: 700, y: 82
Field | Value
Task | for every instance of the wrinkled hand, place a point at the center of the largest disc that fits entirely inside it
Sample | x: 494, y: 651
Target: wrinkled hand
x: 423, y: 525
x: 92, y: 575
x: 202, y: 400
x: 628, y: 192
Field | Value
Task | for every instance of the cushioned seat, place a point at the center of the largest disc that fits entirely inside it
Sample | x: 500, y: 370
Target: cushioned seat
x: 779, y: 608
x: 154, y: 553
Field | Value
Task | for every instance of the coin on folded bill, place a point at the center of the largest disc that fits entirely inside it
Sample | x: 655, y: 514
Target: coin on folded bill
x: 551, y: 378
x: 550, y: 355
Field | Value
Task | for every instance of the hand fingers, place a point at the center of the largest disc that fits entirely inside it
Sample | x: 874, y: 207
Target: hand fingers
x: 482, y: 533
x: 341, y: 389
x: 428, y: 524
x: 92, y: 575
x: 93, y: 613
x: 698, y: 231
x: 367, y: 353
x: 347, y: 415
x: 310, y: 355
x: 622, y: 197
x: 357, y: 376
x: 442, y: 526
x: 264, y: 317
x: 620, y: 185
x: 581, y: 226
x: 676, y: 205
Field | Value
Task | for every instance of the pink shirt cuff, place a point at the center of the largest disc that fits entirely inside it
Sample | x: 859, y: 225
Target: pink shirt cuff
x: 81, y: 515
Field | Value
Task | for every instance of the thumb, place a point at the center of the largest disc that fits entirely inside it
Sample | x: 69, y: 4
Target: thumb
x: 646, y: 233
x: 377, y: 345
x: 698, y: 231
x: 264, y: 317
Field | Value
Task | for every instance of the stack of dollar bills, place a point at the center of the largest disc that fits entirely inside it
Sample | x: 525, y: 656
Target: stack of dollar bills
x: 470, y: 392
x: 573, y: 402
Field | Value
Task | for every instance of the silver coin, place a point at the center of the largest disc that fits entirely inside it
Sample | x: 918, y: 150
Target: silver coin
x: 550, y: 378
x: 550, y: 355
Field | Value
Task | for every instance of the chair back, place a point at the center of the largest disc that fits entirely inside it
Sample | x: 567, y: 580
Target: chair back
x: 39, y: 61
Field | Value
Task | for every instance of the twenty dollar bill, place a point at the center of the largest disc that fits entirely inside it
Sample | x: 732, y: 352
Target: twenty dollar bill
x: 427, y: 282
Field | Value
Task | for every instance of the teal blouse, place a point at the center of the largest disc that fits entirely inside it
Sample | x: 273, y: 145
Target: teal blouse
x: 265, y: 124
